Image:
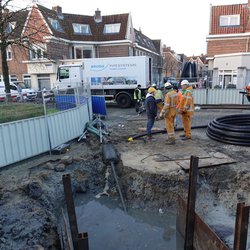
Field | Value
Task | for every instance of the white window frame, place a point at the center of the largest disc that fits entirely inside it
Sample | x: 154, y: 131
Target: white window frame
x: 27, y: 80
x: 37, y: 52
x: 8, y: 53
x: 229, y: 73
x: 229, y: 20
x: 112, y: 28
x: 80, y: 28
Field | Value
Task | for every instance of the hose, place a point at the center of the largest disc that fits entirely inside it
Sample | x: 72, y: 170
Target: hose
x: 232, y: 129
x: 161, y: 132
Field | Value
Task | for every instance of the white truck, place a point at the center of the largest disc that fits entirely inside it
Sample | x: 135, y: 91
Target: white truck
x: 114, y: 77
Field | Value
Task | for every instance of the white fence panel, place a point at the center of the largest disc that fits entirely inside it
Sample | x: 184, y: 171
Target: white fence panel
x: 26, y: 138
x: 68, y: 124
x: 22, y: 139
x: 217, y: 96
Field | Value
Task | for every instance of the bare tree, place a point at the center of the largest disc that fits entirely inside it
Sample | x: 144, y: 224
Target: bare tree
x: 170, y: 65
x: 18, y: 27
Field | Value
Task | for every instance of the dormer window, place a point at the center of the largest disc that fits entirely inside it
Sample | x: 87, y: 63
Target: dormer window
x: 229, y: 20
x: 112, y: 28
x: 10, y: 27
x: 56, y: 25
x: 81, y: 29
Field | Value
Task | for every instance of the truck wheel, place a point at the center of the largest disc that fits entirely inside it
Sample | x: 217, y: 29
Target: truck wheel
x: 124, y: 101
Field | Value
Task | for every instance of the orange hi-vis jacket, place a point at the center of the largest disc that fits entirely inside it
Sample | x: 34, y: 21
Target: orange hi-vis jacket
x: 187, y: 101
x: 179, y: 94
x: 171, y: 101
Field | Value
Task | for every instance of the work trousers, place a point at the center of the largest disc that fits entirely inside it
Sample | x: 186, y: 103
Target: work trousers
x: 159, y: 108
x: 150, y: 124
x: 169, y: 122
x: 186, y: 120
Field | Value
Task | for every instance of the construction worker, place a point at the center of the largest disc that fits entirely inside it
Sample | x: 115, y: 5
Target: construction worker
x: 151, y: 110
x: 159, y: 99
x: 186, y: 108
x: 169, y: 111
x: 137, y: 97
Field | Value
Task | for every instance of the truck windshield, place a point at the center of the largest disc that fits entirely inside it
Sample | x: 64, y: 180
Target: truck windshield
x: 63, y: 73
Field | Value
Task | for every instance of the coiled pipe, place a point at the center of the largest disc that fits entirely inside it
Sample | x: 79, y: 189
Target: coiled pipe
x: 231, y: 129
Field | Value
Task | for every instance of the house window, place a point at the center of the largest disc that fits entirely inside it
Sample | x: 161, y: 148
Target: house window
x: 229, y: 20
x: 37, y: 52
x: 56, y: 25
x: 8, y: 53
x: 112, y: 28
x: 81, y: 28
x: 83, y: 52
x: 27, y: 81
x: 227, y: 77
x: 13, y: 78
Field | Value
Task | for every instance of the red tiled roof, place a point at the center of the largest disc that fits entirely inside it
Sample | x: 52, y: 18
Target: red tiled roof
x: 66, y: 21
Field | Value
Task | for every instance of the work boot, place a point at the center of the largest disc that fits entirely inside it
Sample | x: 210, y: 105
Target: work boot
x: 149, y: 138
x: 186, y: 138
x: 170, y: 141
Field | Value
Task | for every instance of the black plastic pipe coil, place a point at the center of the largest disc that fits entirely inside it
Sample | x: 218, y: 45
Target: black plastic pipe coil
x: 232, y: 129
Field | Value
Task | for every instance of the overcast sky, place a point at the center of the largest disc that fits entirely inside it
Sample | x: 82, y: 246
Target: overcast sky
x: 180, y: 24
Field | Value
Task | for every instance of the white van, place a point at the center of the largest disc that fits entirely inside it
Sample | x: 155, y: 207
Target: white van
x: 13, y: 91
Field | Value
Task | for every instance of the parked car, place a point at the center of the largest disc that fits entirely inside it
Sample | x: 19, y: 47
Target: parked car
x: 28, y: 94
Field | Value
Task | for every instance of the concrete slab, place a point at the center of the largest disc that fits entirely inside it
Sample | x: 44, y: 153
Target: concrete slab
x: 139, y: 156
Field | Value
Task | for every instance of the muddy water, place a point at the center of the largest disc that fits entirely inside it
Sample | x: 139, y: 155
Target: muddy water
x: 110, y: 228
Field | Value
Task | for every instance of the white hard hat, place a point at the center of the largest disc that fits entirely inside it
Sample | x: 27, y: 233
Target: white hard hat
x: 154, y: 85
x: 184, y: 82
x: 248, y: 84
x: 168, y: 85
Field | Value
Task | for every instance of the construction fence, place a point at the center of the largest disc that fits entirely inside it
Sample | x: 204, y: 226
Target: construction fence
x: 57, y: 119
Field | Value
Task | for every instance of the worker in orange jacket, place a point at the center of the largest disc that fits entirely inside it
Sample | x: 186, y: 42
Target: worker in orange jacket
x: 186, y: 108
x: 169, y: 111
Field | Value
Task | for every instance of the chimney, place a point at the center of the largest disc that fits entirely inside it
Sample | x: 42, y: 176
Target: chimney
x: 98, y: 17
x: 58, y: 10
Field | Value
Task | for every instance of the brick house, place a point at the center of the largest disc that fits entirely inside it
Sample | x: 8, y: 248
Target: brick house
x: 15, y: 53
x: 69, y: 37
x: 172, y: 63
x: 228, y: 45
